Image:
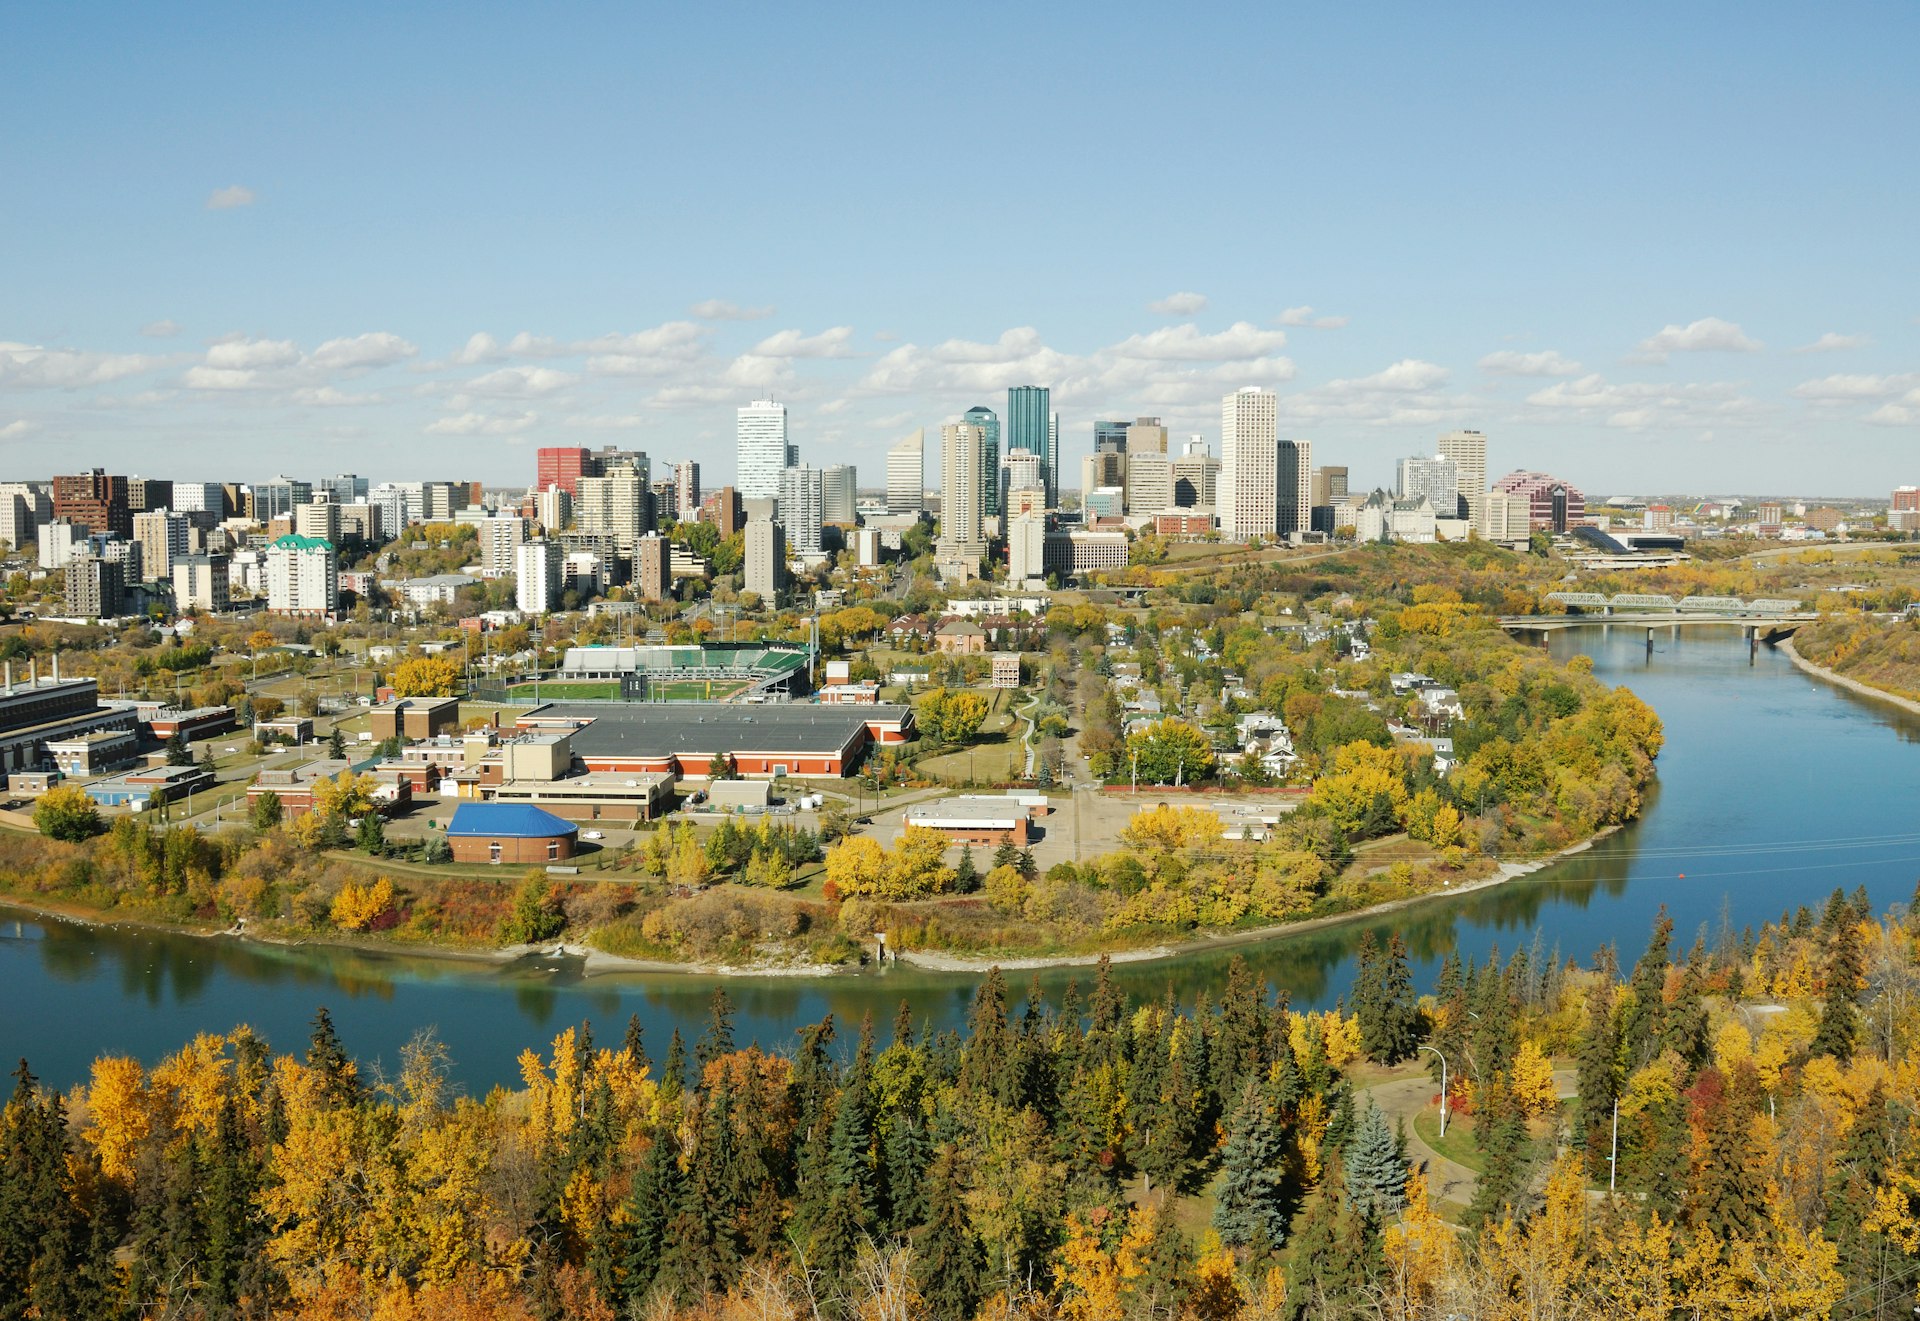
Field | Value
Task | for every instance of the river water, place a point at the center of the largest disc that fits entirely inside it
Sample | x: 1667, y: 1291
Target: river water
x: 1773, y: 789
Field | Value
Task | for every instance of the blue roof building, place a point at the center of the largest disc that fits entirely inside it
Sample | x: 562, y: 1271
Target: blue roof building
x: 509, y: 832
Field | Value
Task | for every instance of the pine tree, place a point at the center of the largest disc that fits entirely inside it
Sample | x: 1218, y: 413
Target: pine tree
x: 228, y: 1184
x: 650, y: 1209
x: 717, y: 1040
x: 1376, y: 1165
x: 1401, y: 1029
x: 340, y: 1077
x: 1839, y: 1029
x: 1727, y: 1196
x: 673, y: 1077
x: 1251, y: 1208
x: 635, y: 1044
x: 178, y: 754
x: 1599, y: 1078
x: 337, y: 744
x: 1367, y: 999
x: 1501, y: 1129
x: 950, y: 1262
x: 1643, y: 1020
x: 904, y: 1158
x: 1336, y: 1252
x: 966, y: 876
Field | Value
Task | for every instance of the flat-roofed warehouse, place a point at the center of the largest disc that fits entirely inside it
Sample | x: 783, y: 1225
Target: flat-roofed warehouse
x: 682, y: 738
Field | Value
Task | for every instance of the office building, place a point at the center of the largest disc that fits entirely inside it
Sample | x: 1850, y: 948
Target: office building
x: 1294, y: 498
x: 839, y: 495
x: 59, y: 541
x: 200, y: 583
x: 398, y: 505
x: 961, y: 503
x: 94, y: 500
x: 723, y: 510
x: 500, y: 542
x: 1019, y: 471
x: 302, y: 577
x: 536, y: 574
x: 686, y: 490
x: 148, y: 493
x: 23, y: 508
x: 614, y: 505
x: 1248, y: 486
x: 279, y: 497
x: 319, y: 520
x: 1149, y: 481
x: 1468, y: 450
x: 163, y: 537
x: 765, y: 564
x: 1552, y: 505
x: 95, y: 587
x: 761, y: 453
x: 343, y: 489
x: 1145, y: 435
x: 989, y: 424
x: 1109, y: 436
x: 553, y: 508
x: 1031, y: 426
x: 1435, y: 478
x: 1196, y: 476
x: 907, y: 475
x: 800, y: 508
x: 201, y: 498
x: 1101, y: 468
x: 562, y: 467
x: 1329, y: 486
x: 1905, y: 498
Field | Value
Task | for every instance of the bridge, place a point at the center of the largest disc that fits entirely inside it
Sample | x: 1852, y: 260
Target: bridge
x: 1773, y: 625
x: 1765, y: 620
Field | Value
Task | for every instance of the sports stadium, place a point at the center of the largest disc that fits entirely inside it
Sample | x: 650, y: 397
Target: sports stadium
x: 713, y: 672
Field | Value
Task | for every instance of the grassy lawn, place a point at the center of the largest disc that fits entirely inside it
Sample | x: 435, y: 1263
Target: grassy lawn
x: 560, y: 691
x: 987, y: 762
x: 1458, y: 1145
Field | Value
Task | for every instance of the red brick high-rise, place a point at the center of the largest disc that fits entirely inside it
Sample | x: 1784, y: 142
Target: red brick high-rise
x: 564, y: 467
x: 96, y: 501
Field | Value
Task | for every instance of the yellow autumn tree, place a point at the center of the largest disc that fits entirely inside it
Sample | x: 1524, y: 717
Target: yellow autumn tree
x: 356, y: 906
x: 119, y: 1115
x: 1532, y: 1082
x: 426, y: 676
x: 1165, y: 827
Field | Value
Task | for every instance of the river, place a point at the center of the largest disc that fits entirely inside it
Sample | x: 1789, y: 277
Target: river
x: 1774, y: 788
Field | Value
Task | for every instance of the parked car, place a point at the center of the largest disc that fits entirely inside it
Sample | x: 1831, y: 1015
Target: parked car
x: 591, y: 834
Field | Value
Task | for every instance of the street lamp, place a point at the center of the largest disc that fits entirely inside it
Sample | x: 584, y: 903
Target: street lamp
x: 1443, y: 1088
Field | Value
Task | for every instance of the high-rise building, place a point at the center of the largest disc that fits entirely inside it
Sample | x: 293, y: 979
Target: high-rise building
x: 1468, y: 450
x: 278, y: 498
x: 320, y: 519
x: 200, y: 583
x: 1329, y: 486
x: 1019, y: 471
x: 839, y: 487
x: 800, y: 508
x: 686, y: 489
x: 907, y: 475
x: 302, y: 577
x: 1904, y: 498
x: 722, y: 509
x: 615, y: 505
x: 58, y: 541
x: 1435, y: 478
x: 1026, y: 547
x: 989, y: 424
x: 94, y: 500
x: 343, y: 489
x: 1101, y: 468
x: 1149, y: 481
x: 200, y: 498
x: 765, y: 565
x: 1196, y: 477
x: 1552, y: 505
x: 653, y: 568
x: 144, y: 493
x: 554, y: 508
x: 536, y: 572
x: 163, y: 538
x: 95, y: 587
x: 1293, y: 499
x: 961, y: 502
x: 1248, y: 489
x: 1030, y: 427
x: 1145, y: 435
x: 400, y: 505
x: 1109, y: 436
x: 562, y: 467
x: 500, y: 542
x: 762, y: 450
x: 23, y: 508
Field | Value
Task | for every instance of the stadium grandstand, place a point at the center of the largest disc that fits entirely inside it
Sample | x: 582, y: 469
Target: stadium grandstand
x: 714, y: 672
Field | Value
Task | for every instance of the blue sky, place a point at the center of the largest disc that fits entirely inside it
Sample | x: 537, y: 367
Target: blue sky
x: 1646, y: 247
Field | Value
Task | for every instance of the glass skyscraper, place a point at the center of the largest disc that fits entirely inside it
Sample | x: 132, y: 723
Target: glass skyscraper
x: 989, y: 457
x: 1030, y: 428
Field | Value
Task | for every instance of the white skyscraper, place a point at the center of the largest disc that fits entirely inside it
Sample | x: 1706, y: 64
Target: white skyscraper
x: 961, y: 500
x: 536, y: 568
x: 1436, y: 478
x: 762, y: 453
x: 800, y: 504
x: 1248, y: 486
x: 907, y: 475
x: 1468, y: 450
x: 838, y: 485
x: 616, y: 505
x: 500, y: 542
x: 686, y: 489
x: 301, y: 577
x: 1149, y: 479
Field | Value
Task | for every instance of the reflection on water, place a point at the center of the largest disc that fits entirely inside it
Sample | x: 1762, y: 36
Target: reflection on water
x: 1774, y: 789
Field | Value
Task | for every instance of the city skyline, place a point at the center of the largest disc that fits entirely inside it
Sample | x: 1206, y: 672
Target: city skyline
x: 348, y: 276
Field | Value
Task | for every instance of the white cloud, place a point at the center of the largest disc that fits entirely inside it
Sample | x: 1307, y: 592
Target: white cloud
x: 1181, y: 304
x: 1548, y: 362
x: 480, y: 347
x: 362, y: 352
x: 693, y: 396
x: 225, y: 199
x: 1707, y: 335
x: 31, y: 366
x: 1834, y: 342
x: 1407, y: 375
x: 967, y: 366
x: 1854, y: 387
x: 326, y: 396
x: 1638, y: 405
x: 654, y: 352
x: 15, y: 429
x: 521, y: 382
x: 1303, y: 316
x: 608, y: 422
x: 795, y: 344
x: 719, y: 309
x: 222, y: 378
x: 160, y: 329
x: 1184, y: 343
x: 240, y: 353
x: 479, y: 424
x: 892, y: 421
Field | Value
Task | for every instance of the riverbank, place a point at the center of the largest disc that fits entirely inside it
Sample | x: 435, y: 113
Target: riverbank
x: 1842, y: 681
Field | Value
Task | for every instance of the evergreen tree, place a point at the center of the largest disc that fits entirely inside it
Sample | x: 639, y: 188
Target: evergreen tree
x: 717, y: 1040
x: 635, y: 1044
x: 966, y: 876
x: 1501, y: 1128
x: 228, y: 1184
x: 1006, y: 855
x: 904, y: 1158
x: 1401, y: 1030
x: 1643, y: 1019
x: 1336, y: 1252
x: 1727, y: 1197
x: 178, y: 753
x: 1376, y: 1165
x: 1839, y: 1029
x: 703, y: 1250
x: 950, y: 1262
x: 673, y: 1077
x: 337, y: 744
x: 650, y: 1210
x: 1868, y: 1259
x: 1251, y: 1208
x: 371, y: 837
x: 340, y: 1077
x: 1599, y: 1079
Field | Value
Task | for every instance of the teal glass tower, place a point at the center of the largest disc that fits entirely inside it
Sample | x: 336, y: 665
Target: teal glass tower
x: 1030, y: 428
x: 989, y: 424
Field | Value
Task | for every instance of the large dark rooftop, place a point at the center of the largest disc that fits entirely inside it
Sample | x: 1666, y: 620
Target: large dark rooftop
x: 658, y: 729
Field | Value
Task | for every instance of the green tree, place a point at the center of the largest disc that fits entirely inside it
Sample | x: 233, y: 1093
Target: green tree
x: 950, y: 1263
x: 535, y: 915
x: 966, y: 876
x: 340, y: 1076
x: 650, y: 1207
x: 265, y: 812
x: 65, y: 813
x: 1597, y: 1060
x: 1169, y: 752
x: 178, y: 753
x: 1376, y: 1165
x: 1839, y: 1028
x: 371, y: 837
x: 337, y: 744
x: 1251, y: 1209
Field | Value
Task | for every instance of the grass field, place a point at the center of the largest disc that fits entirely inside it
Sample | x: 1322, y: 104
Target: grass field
x: 696, y: 690
x: 579, y: 690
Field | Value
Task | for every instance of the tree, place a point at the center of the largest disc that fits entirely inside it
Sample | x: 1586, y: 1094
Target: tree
x: 950, y: 1259
x: 1376, y: 1165
x: 966, y: 876
x: 536, y: 914
x: 1169, y: 752
x: 426, y: 676
x: 337, y: 744
x: 65, y: 813
x: 952, y: 715
x: 1251, y: 1210
x: 178, y: 753
x: 372, y: 834
x: 720, y: 767
x: 265, y: 812
x: 1839, y: 1028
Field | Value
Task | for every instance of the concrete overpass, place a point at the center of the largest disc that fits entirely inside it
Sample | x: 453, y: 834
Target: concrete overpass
x: 1771, y: 625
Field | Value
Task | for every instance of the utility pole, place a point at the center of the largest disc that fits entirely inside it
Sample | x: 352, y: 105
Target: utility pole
x: 1443, y: 1088
x: 1613, y: 1155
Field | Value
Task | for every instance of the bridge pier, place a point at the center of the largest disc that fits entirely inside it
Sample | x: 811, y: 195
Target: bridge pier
x: 1753, y: 642
x: 1649, y: 642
